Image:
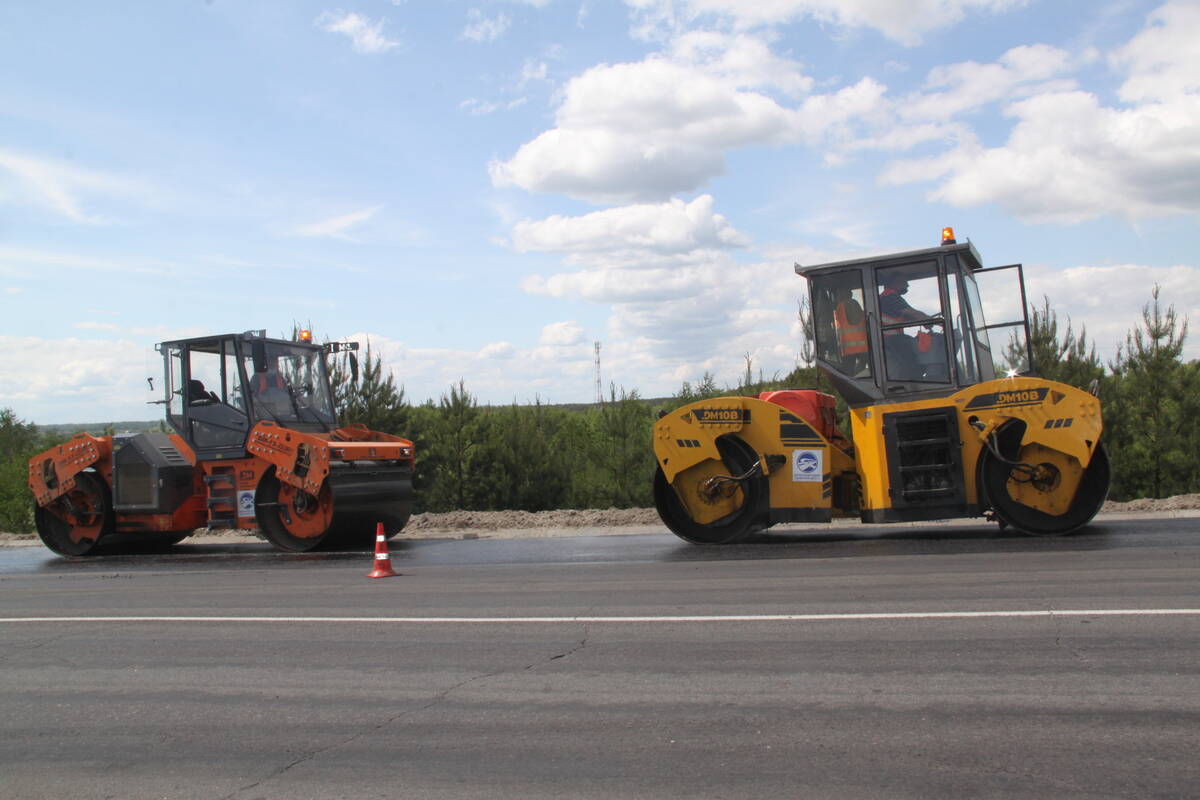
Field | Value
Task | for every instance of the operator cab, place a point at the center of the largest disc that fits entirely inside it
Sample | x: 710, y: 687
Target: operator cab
x: 219, y: 387
x: 911, y: 325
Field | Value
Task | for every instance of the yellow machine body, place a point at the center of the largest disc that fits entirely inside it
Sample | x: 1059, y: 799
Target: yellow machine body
x: 799, y: 464
x: 1061, y: 427
x: 936, y: 432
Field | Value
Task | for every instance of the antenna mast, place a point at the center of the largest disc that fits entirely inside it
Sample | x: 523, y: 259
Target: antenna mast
x: 599, y: 390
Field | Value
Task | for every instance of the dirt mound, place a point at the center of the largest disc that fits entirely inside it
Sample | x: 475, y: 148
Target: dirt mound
x: 497, y: 520
x: 1180, y: 502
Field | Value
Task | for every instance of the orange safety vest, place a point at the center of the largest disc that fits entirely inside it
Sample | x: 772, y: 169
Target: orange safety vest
x: 886, y: 318
x: 852, y: 336
x: 268, y: 380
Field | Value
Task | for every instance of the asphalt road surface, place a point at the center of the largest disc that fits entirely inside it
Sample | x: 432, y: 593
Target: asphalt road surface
x: 864, y: 662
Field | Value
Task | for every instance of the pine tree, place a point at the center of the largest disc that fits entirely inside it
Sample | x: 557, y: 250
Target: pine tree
x: 1149, y: 431
x: 374, y: 400
x: 625, y: 425
x: 1071, y: 360
x: 518, y: 466
x: 453, y: 444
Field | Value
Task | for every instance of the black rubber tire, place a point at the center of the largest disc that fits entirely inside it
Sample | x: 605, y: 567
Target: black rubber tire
x: 738, y: 457
x: 55, y: 532
x: 1093, y: 491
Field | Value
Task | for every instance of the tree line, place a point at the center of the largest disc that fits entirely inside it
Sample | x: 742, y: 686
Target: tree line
x: 536, y: 457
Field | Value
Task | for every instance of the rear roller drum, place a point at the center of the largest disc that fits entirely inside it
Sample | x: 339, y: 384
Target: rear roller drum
x: 749, y: 495
x: 73, y: 524
x: 1048, y: 497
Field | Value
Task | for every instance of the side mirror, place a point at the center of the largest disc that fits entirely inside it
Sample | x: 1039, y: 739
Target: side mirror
x: 258, y: 352
x: 353, y: 368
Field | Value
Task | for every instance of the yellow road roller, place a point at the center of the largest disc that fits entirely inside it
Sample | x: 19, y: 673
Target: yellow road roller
x: 948, y: 418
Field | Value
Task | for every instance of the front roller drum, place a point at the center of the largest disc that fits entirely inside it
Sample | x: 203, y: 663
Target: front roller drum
x: 1056, y: 498
x: 344, y: 513
x: 737, y: 460
x: 75, y: 523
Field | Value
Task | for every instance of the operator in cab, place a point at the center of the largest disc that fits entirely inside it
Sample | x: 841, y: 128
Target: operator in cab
x: 908, y: 357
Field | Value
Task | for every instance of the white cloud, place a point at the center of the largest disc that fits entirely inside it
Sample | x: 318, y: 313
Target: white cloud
x: 647, y: 130
x: 956, y: 88
x: 33, y: 263
x: 499, y: 372
x: 365, y: 36
x: 336, y: 227
x: 1068, y: 156
x: 676, y: 292
x: 1069, y: 159
x: 497, y: 350
x: 1163, y: 61
x: 561, y: 334
x: 61, y: 187
x: 477, y: 107
x: 743, y: 60
x: 79, y: 380
x: 906, y: 21
x: 1108, y: 299
x: 635, y: 236
x: 532, y: 70
x: 480, y: 28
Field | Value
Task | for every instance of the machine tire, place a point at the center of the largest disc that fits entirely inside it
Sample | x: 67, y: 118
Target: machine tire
x: 271, y: 521
x: 738, y: 458
x: 85, y: 511
x: 1092, y: 492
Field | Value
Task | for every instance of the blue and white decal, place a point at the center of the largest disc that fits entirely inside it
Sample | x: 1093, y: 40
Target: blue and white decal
x: 246, y: 503
x: 808, y: 466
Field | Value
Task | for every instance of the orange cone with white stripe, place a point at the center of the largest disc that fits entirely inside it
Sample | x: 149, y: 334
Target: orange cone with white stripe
x: 383, y: 562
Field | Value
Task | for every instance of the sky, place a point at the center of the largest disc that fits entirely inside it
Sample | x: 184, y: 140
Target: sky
x: 484, y: 190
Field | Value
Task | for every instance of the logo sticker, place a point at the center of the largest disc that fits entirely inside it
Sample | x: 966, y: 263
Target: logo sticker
x: 722, y: 416
x: 1021, y: 397
x: 246, y: 504
x: 808, y: 466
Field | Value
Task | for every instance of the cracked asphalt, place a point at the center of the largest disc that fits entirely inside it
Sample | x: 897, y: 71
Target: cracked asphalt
x: 371, y: 705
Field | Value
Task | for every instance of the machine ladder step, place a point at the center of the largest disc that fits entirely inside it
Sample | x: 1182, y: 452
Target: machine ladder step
x: 222, y: 498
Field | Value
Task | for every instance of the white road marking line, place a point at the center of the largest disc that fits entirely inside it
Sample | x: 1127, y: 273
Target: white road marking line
x: 865, y: 616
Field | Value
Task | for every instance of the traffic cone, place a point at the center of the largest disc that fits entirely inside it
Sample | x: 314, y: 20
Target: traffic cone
x: 383, y: 562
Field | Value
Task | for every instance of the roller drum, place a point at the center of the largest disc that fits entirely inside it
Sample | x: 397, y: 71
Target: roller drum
x: 366, y: 493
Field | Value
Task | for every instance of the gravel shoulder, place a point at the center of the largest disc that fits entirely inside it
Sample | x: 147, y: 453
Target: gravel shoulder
x: 629, y: 521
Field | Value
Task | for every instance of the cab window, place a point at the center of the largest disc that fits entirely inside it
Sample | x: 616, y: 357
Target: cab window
x: 912, y: 323
x: 840, y: 327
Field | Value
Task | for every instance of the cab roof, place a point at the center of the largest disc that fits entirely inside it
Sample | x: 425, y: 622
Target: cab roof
x: 245, y: 336
x: 966, y: 251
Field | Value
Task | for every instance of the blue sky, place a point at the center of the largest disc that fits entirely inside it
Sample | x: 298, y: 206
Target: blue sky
x: 485, y: 189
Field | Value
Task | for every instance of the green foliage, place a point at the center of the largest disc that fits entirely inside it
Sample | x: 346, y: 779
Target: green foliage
x: 454, y: 450
x: 1150, y: 409
x: 625, y: 424
x: 19, y: 441
x: 1070, y: 359
x: 518, y: 463
x: 374, y: 399
x: 707, y: 387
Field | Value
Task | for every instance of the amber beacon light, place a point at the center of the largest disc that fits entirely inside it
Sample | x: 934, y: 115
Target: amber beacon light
x: 948, y: 236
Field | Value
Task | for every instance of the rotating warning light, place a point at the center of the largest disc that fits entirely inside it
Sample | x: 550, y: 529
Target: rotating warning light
x: 306, y: 336
x: 948, y: 236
